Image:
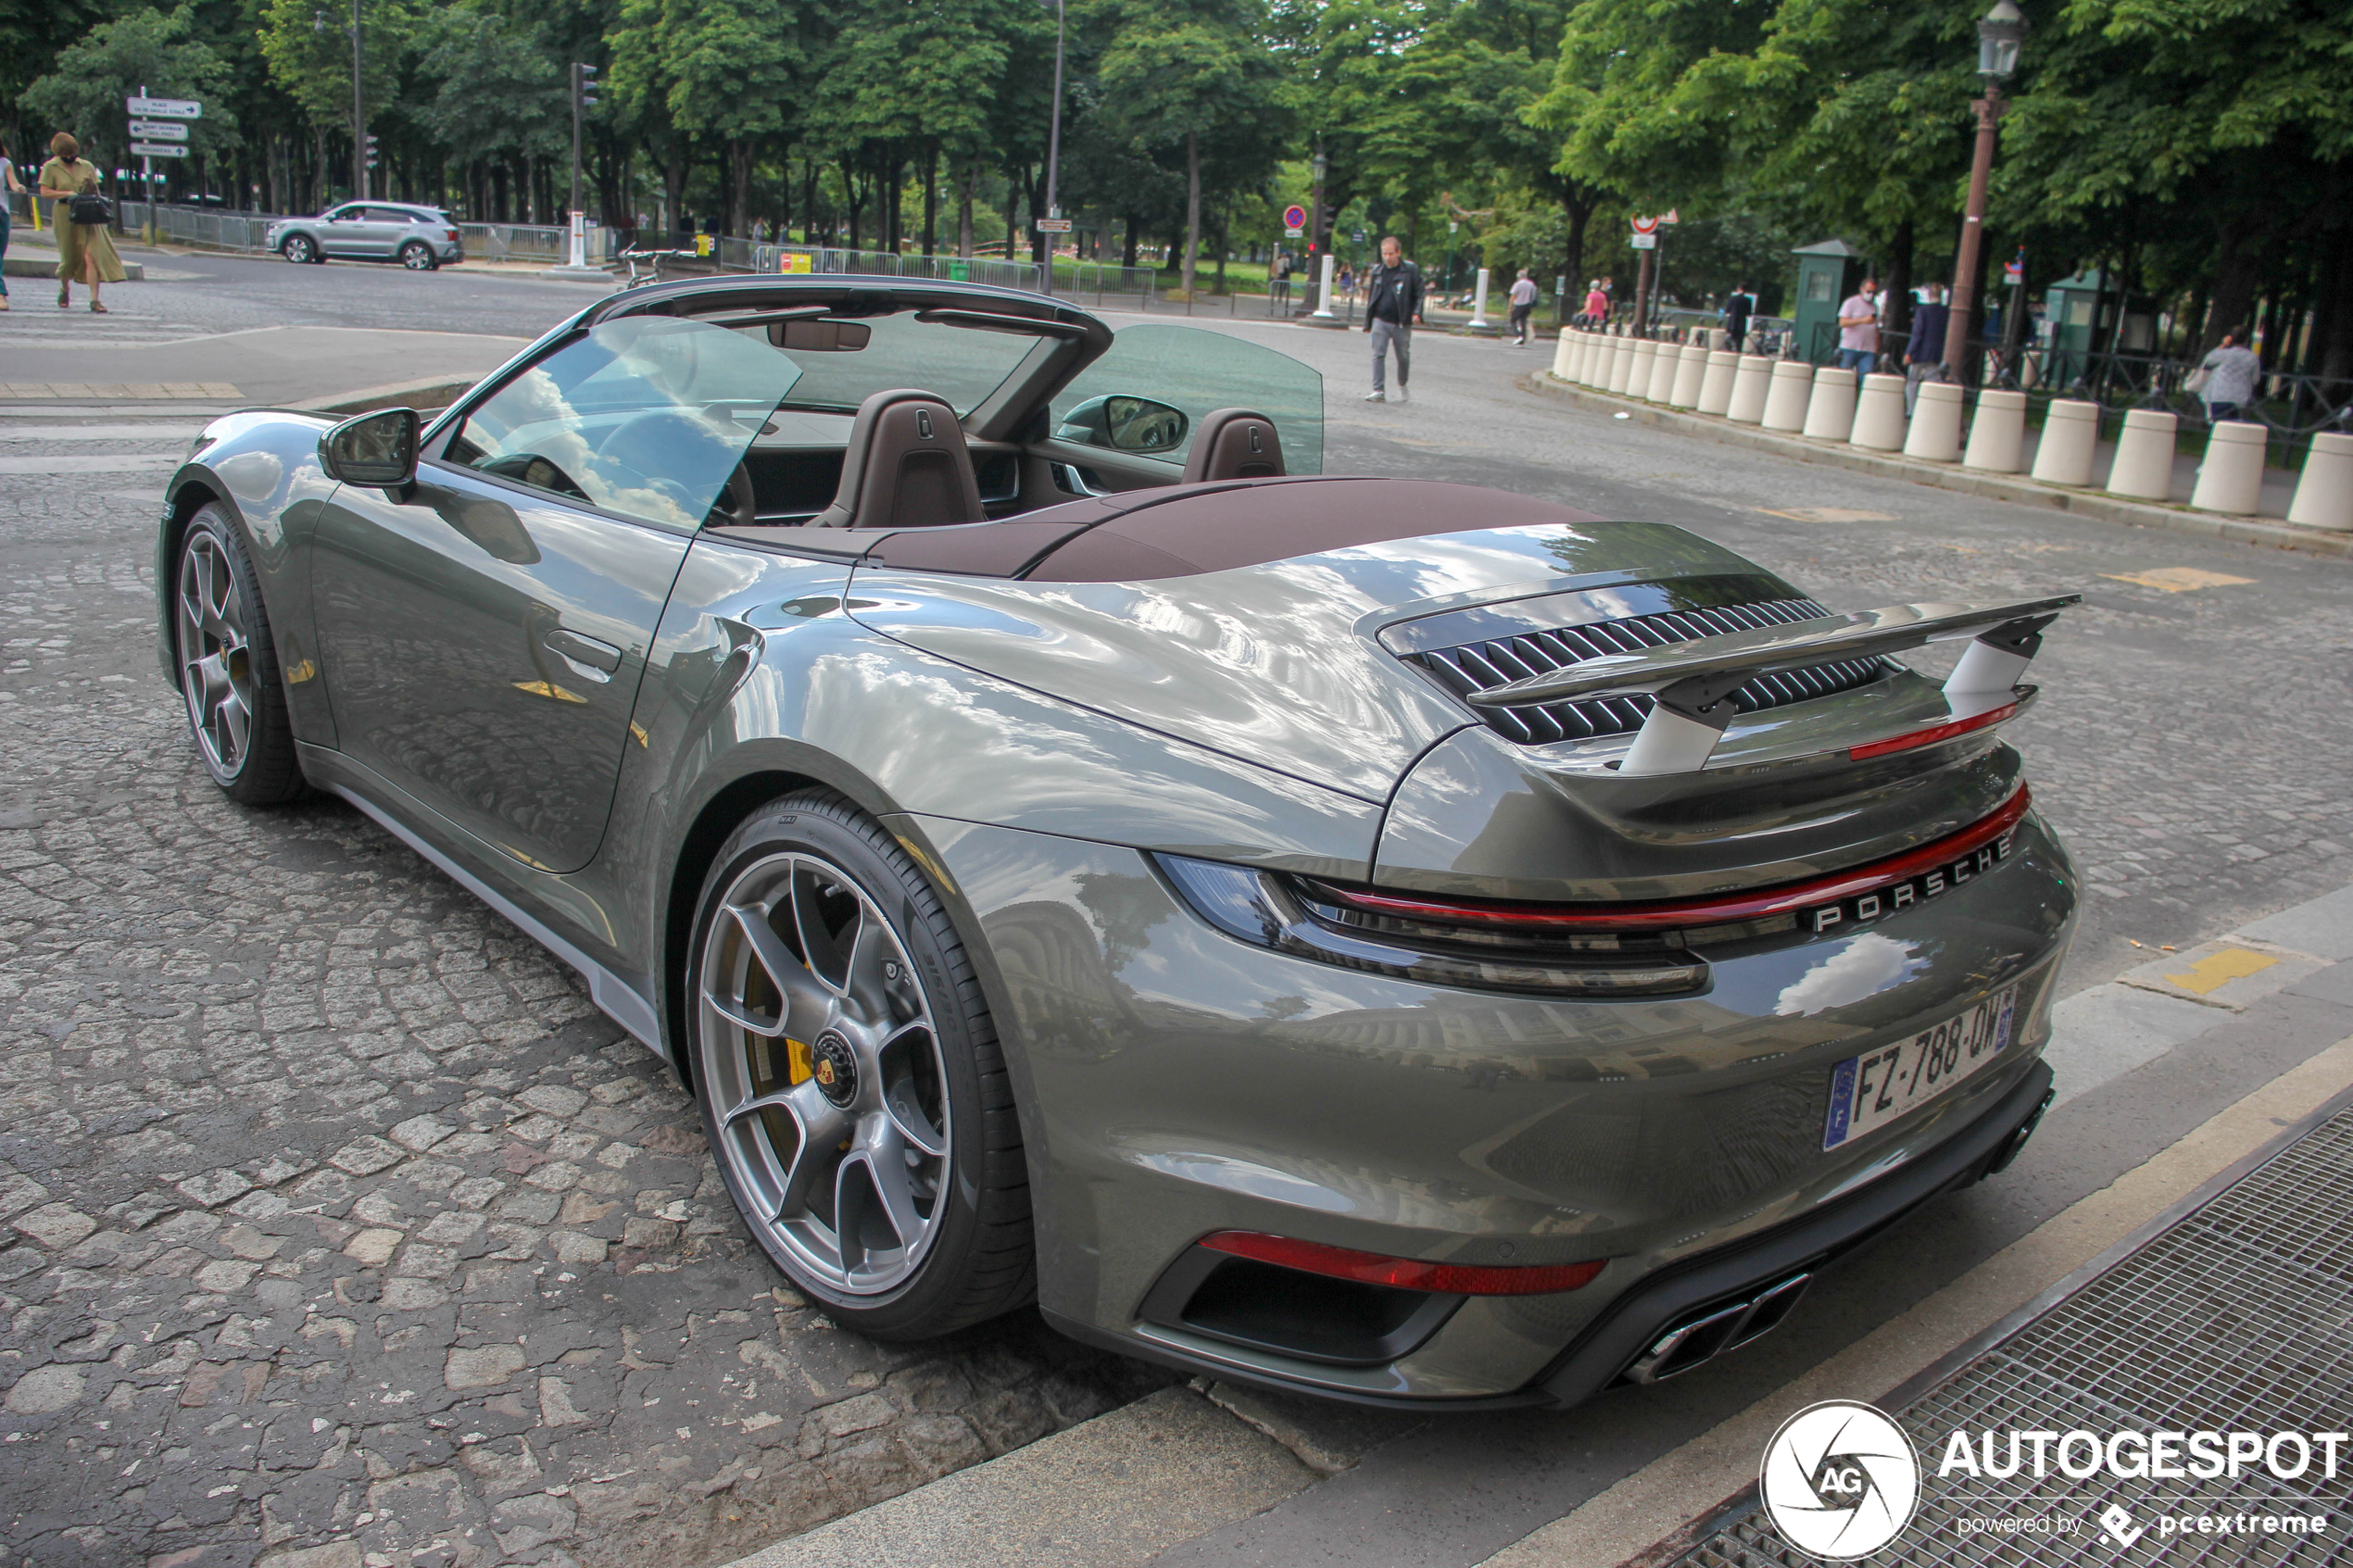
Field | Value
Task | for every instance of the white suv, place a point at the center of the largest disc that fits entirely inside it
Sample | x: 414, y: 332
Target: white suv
x: 420, y: 238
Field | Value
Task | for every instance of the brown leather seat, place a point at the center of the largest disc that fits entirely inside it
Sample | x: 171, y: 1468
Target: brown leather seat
x: 906, y: 467
x: 1235, y: 443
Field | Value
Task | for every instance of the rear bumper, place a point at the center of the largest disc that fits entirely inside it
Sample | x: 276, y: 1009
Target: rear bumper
x: 1649, y: 1308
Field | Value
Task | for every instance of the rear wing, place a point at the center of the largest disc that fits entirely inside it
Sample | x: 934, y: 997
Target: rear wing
x: 1694, y: 682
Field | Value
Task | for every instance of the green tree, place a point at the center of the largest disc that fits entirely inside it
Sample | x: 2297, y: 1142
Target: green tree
x: 1196, y: 74
x: 84, y: 94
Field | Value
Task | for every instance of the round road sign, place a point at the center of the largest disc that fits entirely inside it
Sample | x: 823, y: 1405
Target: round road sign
x: 1294, y: 218
x: 1646, y: 225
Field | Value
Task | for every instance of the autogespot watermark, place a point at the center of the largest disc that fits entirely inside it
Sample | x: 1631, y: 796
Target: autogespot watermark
x: 1841, y: 1480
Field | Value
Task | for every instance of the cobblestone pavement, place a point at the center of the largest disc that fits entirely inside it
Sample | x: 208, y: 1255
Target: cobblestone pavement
x: 330, y: 1212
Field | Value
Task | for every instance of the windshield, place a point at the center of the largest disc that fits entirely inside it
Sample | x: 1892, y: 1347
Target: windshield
x: 960, y: 365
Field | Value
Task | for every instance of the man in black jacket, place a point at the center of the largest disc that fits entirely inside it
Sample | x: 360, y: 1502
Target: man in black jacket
x: 1393, y: 306
x: 1925, y: 351
x: 1737, y: 310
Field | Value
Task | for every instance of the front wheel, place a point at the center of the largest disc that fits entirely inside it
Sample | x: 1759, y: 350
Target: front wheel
x: 416, y: 257
x: 300, y: 248
x: 229, y: 668
x: 851, y: 1082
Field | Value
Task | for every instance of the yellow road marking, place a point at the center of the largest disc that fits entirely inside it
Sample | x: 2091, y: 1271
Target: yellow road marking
x: 2217, y: 969
x: 1827, y: 514
x: 2177, y: 579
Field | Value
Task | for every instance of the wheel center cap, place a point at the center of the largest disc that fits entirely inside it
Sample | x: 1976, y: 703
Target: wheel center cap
x: 834, y: 1068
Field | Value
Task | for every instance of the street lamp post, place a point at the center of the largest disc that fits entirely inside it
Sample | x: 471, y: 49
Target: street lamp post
x: 1317, y: 167
x: 1999, y: 32
x: 1055, y: 146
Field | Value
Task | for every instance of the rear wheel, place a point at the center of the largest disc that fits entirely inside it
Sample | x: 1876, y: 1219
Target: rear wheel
x: 300, y: 248
x: 417, y: 257
x: 229, y: 668
x: 851, y: 1082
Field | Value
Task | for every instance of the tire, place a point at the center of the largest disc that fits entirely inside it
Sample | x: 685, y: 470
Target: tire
x: 876, y: 1036
x: 300, y: 249
x: 417, y: 257
x: 228, y: 666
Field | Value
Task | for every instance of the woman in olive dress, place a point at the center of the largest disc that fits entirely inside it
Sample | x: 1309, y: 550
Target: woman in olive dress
x: 83, y: 248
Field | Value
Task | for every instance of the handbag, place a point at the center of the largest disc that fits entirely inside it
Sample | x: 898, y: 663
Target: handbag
x: 2198, y: 378
x: 89, y: 206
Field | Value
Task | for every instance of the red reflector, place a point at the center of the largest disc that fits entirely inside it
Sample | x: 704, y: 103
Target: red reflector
x: 1403, y: 1273
x: 1688, y: 912
x: 1933, y: 734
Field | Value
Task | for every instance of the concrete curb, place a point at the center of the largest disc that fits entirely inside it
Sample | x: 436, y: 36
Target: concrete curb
x: 426, y: 397
x: 1998, y: 488
x: 46, y: 265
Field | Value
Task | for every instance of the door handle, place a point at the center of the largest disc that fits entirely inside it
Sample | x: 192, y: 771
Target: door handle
x: 589, y: 659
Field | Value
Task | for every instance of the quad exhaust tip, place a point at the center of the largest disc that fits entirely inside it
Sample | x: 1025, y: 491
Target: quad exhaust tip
x: 1719, y: 1329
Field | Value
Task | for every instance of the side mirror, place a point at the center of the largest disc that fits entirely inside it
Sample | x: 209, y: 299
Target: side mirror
x: 1124, y: 424
x: 378, y: 450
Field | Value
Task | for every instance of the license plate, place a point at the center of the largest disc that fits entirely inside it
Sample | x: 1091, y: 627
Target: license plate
x: 1871, y: 1090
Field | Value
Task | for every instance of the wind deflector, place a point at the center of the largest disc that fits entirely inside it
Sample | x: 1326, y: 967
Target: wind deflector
x: 1693, y: 680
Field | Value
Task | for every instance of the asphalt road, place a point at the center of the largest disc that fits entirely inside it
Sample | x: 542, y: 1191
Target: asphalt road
x: 337, y: 1214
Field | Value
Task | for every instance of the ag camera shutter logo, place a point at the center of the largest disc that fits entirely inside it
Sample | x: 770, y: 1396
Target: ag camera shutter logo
x: 1839, y: 1480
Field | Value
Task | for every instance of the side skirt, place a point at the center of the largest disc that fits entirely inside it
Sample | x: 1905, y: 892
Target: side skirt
x: 612, y: 994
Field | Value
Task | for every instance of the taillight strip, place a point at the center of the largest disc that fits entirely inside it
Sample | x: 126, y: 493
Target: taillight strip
x: 1683, y: 912
x: 1933, y: 734
x: 1404, y: 1274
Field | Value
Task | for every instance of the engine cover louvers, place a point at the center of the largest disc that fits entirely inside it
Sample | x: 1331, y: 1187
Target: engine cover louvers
x: 1484, y: 665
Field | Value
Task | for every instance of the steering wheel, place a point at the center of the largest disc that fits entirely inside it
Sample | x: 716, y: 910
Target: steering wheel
x: 652, y: 444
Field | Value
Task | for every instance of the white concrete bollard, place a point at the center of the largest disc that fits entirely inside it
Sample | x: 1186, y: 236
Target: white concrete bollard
x: 2070, y: 437
x: 2324, y: 493
x: 1785, y: 399
x: 1998, y: 436
x: 1878, y: 414
x: 1690, y: 368
x: 1581, y: 367
x: 2144, y: 468
x: 1597, y: 361
x: 1722, y: 369
x: 1324, y: 295
x: 1752, y: 380
x: 1621, y: 364
x: 1479, y: 321
x: 1663, y: 367
x: 1829, y: 413
x: 1564, y: 353
x: 1935, y: 435
x: 1640, y: 357
x: 2231, y: 479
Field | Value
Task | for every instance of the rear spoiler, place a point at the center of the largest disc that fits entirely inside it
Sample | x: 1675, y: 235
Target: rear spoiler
x: 1694, y: 682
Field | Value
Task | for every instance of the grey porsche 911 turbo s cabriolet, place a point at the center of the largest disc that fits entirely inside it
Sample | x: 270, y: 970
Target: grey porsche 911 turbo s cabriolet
x: 1398, y: 940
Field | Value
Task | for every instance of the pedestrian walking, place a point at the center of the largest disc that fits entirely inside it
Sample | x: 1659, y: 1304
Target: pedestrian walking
x: 1393, y: 306
x: 1924, y: 353
x: 2226, y: 378
x: 1858, y: 331
x: 1523, y: 307
x: 8, y: 186
x: 83, y: 248
x: 1738, y: 309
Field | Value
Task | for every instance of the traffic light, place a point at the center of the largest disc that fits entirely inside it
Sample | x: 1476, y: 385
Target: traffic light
x: 371, y: 149
x: 584, y: 86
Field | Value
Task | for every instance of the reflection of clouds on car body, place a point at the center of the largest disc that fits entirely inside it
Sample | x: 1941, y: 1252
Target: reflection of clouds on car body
x: 1864, y: 967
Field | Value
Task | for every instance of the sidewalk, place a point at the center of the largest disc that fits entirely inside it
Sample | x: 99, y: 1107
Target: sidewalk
x: 2175, y: 1081
x: 2268, y: 529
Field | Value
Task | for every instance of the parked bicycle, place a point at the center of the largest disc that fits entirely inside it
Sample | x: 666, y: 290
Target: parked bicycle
x: 645, y: 266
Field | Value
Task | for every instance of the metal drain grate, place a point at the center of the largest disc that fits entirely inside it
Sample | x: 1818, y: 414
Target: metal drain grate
x: 2239, y: 1318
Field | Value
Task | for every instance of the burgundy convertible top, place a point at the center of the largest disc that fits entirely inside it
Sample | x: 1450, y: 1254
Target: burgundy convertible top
x: 1143, y: 535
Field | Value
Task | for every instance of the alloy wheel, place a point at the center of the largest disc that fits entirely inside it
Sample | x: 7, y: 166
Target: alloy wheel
x: 415, y: 256
x: 216, y: 655
x: 821, y: 1063
x: 298, y: 249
